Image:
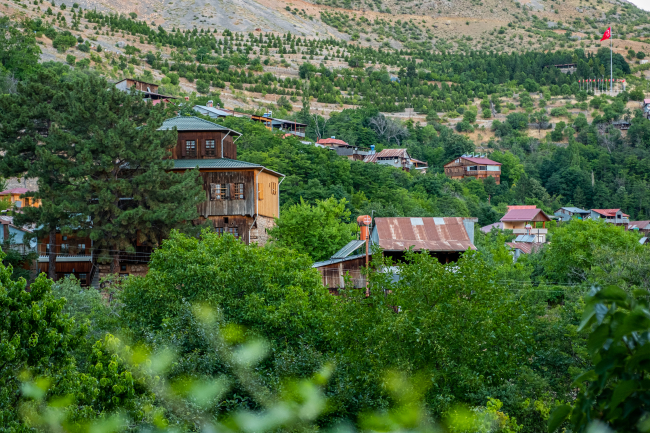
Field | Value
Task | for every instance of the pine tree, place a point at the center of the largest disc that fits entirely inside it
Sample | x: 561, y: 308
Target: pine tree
x: 27, y: 137
x: 102, y: 163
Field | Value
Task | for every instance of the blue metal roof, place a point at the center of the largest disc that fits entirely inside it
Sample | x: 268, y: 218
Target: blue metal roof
x: 332, y: 261
x: 351, y: 247
x: 574, y: 209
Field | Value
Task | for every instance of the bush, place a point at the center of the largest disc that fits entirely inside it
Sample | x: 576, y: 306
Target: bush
x: 173, y: 78
x: 70, y: 59
x: 640, y: 55
x: 464, y: 126
x: 63, y: 41
x: 83, y: 48
x: 202, y: 87
x: 469, y: 116
x: 487, y: 113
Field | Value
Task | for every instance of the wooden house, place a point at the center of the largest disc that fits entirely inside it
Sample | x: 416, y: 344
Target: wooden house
x: 444, y: 238
x: 614, y: 216
x: 473, y: 166
x: 342, y: 148
x: 524, y: 222
x: 398, y: 158
x: 640, y: 226
x: 14, y: 195
x: 568, y: 213
x: 288, y: 126
x: 73, y: 256
x: 149, y: 91
x: 241, y: 198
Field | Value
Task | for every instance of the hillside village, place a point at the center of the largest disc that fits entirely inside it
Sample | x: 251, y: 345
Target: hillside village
x: 260, y: 216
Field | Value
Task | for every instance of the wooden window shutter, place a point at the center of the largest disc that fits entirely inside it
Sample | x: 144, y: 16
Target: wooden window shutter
x: 184, y: 148
x: 260, y: 191
x: 229, y: 190
x: 202, y: 146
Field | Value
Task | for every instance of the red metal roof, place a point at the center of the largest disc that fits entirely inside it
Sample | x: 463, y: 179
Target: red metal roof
x: 608, y: 212
x: 15, y: 191
x: 482, y: 161
x: 524, y: 215
x: 331, y: 141
x: 532, y: 206
x: 638, y: 224
x: 429, y: 234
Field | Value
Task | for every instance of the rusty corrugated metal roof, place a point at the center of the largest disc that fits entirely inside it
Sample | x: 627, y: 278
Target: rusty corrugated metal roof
x: 430, y: 234
x: 525, y: 247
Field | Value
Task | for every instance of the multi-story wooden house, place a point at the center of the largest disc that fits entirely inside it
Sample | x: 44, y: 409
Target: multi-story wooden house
x: 472, y: 166
x: 14, y: 196
x: 241, y: 198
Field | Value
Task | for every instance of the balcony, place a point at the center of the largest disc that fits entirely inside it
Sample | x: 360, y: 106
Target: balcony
x: 60, y: 258
x: 540, y: 234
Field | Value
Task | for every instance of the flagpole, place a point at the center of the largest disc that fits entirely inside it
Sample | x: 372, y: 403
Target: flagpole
x: 611, y: 61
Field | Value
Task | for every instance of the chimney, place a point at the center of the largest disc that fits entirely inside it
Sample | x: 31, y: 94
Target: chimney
x: 210, y: 104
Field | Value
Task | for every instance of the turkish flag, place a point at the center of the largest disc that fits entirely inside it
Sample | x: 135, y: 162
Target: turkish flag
x: 607, y: 34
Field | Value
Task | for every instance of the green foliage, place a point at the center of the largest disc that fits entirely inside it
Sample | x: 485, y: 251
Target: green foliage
x: 572, y: 255
x: 35, y: 340
x: 615, y: 392
x: 89, y: 161
x: 318, y: 230
x: 19, y: 53
x: 63, y: 41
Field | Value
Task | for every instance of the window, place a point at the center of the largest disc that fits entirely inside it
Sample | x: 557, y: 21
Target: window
x: 65, y: 249
x: 274, y: 188
x: 209, y: 148
x: 217, y: 191
x: 123, y: 268
x: 232, y: 230
x: 83, y: 279
x: 123, y: 275
x: 26, y: 201
x: 190, y: 147
x: 238, y: 191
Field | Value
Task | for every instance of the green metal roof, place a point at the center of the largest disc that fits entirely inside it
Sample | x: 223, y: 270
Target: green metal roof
x: 192, y: 123
x: 220, y: 163
x: 213, y: 163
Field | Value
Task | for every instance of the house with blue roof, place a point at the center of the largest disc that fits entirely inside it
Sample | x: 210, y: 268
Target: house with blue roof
x: 568, y: 213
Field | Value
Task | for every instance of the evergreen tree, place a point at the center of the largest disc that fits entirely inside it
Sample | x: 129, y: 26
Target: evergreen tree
x: 100, y: 162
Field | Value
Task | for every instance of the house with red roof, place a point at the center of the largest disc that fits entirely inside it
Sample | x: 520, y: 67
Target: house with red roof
x: 14, y: 196
x: 478, y: 167
x: 342, y: 148
x: 614, y: 216
x: 525, y: 222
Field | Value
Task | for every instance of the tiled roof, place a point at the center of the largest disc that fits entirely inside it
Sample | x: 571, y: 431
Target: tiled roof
x: 524, y: 215
x: 608, y: 212
x: 191, y: 123
x: 423, y: 234
x: 332, y: 141
x: 219, y: 163
x: 15, y: 191
x: 481, y: 161
x: 646, y: 101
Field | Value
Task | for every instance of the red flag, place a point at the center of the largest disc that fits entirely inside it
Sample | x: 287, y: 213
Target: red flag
x: 607, y: 34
